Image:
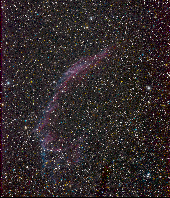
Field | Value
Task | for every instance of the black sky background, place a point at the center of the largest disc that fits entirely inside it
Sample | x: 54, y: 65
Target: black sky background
x: 41, y: 40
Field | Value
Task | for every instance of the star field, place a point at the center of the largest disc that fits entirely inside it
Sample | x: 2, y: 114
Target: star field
x: 111, y: 125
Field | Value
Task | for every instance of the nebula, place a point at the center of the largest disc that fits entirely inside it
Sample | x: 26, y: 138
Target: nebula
x: 61, y: 148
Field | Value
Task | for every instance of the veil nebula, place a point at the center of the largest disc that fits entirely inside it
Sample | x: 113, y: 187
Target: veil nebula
x: 60, y: 148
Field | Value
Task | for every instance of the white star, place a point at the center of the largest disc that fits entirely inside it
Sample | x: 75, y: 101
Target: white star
x: 148, y: 88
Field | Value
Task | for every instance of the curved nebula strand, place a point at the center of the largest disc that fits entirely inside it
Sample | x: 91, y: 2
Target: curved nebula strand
x: 77, y: 71
x: 63, y: 148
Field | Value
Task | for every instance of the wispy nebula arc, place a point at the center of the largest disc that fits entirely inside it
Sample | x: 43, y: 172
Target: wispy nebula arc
x: 76, y: 71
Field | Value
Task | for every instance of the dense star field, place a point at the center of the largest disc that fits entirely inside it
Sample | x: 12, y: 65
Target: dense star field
x: 85, y: 88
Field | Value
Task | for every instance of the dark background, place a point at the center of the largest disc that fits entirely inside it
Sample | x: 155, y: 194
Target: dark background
x: 127, y: 136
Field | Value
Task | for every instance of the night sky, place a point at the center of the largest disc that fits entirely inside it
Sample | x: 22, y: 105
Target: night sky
x: 111, y: 124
